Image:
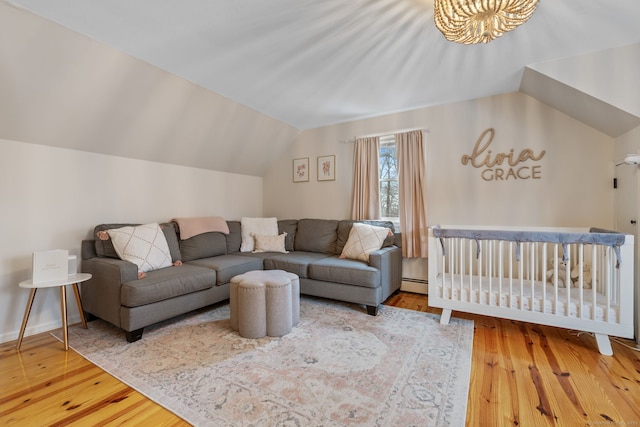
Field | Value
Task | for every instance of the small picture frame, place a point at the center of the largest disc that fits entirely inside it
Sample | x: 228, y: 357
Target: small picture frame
x: 327, y: 168
x: 301, y: 170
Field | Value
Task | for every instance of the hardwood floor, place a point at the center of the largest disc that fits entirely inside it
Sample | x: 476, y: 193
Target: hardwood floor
x: 42, y: 385
x: 522, y: 375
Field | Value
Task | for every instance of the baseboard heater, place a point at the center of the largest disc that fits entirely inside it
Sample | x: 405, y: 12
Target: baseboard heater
x: 414, y: 280
x: 412, y: 284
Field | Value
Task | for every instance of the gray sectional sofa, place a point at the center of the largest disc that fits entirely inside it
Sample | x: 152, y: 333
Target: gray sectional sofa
x: 210, y: 260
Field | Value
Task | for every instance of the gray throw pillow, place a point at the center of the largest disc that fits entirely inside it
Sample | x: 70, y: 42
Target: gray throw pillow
x: 234, y: 238
x: 289, y: 226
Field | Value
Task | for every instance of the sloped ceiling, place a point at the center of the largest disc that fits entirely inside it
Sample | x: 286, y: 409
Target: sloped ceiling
x: 126, y: 77
x: 311, y: 63
x: 579, y: 104
x: 600, y: 89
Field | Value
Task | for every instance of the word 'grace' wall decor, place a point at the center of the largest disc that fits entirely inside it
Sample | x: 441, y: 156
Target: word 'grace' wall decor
x: 503, y: 166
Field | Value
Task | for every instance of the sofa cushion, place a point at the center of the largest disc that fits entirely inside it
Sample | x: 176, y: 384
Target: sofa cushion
x: 192, y: 226
x: 144, y: 245
x: 251, y: 226
x: 344, y: 228
x: 234, y: 238
x: 270, y: 243
x: 317, y: 235
x: 203, y: 246
x: 294, y: 262
x: 166, y: 283
x: 105, y: 249
x: 289, y: 226
x: 170, y: 233
x: 227, y: 266
x: 364, y: 239
x: 260, y: 255
x: 347, y: 271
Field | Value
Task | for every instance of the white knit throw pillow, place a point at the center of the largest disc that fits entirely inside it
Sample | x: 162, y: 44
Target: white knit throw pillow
x: 270, y: 243
x: 144, y: 245
x: 364, y: 239
x: 256, y: 226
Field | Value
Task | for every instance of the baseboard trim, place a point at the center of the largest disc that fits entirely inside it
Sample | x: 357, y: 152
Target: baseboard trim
x: 39, y: 328
x: 414, y: 286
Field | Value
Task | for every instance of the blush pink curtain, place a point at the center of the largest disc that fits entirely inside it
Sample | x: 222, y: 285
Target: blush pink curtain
x: 412, y: 157
x: 366, y: 186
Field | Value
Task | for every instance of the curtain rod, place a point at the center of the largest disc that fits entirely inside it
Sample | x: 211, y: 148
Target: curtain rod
x: 373, y: 135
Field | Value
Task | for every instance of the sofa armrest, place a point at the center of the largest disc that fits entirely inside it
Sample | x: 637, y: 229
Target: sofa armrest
x: 101, y: 294
x: 88, y: 249
x: 125, y: 271
x: 388, y: 261
x: 376, y: 258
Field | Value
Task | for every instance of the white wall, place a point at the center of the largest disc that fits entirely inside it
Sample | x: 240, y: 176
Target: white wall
x: 628, y: 203
x: 576, y: 172
x: 51, y: 198
x: 62, y: 89
x: 574, y: 189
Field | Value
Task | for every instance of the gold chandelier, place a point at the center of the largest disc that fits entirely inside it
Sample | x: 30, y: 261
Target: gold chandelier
x: 480, y: 21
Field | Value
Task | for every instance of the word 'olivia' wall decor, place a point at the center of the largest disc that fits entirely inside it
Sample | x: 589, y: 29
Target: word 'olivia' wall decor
x: 502, y: 166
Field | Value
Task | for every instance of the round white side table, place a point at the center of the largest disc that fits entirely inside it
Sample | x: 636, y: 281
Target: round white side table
x: 73, y: 279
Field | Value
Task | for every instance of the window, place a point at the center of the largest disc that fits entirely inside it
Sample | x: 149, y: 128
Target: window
x: 388, y: 173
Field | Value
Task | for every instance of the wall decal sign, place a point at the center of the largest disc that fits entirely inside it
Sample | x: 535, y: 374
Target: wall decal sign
x: 502, y: 166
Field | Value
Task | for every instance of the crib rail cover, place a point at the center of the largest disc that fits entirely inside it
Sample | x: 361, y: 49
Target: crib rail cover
x: 596, y: 236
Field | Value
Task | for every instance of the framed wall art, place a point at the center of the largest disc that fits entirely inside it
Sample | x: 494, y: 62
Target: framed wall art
x: 301, y: 170
x: 326, y: 168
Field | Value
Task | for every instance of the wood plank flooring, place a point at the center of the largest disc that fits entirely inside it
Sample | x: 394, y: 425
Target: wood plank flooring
x: 42, y: 385
x: 522, y: 375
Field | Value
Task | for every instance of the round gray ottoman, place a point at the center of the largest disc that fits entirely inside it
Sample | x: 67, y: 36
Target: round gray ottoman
x: 264, y: 303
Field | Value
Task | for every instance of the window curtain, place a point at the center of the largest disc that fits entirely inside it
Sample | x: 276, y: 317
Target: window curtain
x: 366, y: 186
x: 412, y: 158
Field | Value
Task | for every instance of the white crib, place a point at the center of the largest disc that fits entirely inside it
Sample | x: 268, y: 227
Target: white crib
x: 518, y: 274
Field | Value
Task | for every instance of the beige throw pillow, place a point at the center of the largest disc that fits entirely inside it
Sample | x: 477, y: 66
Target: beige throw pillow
x: 270, y: 243
x: 144, y: 245
x: 364, y: 239
x: 253, y: 226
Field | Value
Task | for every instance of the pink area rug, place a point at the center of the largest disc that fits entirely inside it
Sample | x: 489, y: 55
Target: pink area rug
x: 338, y: 367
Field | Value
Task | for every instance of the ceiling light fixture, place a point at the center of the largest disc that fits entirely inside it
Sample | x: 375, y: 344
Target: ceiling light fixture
x: 480, y: 21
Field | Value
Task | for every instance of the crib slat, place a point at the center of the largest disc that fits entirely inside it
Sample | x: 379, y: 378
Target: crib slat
x: 594, y: 274
x: 555, y: 279
x: 521, y: 274
x: 567, y: 283
x: 607, y: 274
x: 510, y: 274
x: 581, y: 270
x: 448, y: 261
x: 480, y: 258
x: 500, y: 270
x: 487, y: 271
x: 543, y: 275
x: 470, y: 257
x: 531, y: 278
x: 461, y: 264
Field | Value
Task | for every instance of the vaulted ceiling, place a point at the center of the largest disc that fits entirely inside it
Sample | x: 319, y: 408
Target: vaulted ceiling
x: 311, y: 63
